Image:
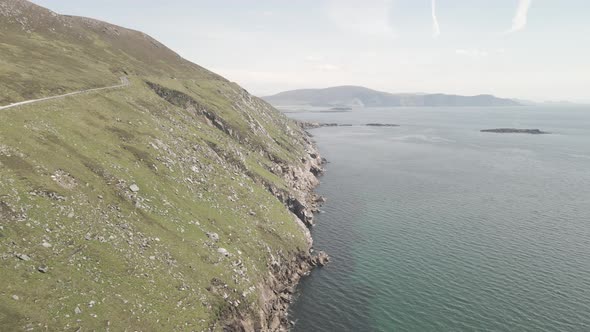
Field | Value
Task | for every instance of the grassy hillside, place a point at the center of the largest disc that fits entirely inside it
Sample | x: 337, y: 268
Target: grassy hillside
x: 115, y: 207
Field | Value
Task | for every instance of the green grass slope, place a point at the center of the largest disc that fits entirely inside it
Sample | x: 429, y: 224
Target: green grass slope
x: 79, y: 246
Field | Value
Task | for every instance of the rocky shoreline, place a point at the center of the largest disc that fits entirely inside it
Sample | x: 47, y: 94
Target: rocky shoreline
x: 285, y: 272
x: 313, y: 125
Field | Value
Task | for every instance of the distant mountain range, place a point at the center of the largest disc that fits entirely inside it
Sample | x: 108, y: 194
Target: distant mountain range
x: 356, y: 96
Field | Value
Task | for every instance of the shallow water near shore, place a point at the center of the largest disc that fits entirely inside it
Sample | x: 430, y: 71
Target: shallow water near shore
x: 435, y: 226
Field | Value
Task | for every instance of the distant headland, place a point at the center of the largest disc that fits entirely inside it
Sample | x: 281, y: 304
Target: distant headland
x: 346, y: 97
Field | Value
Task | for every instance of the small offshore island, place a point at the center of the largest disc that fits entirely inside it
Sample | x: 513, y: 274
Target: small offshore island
x: 381, y: 125
x: 514, y: 131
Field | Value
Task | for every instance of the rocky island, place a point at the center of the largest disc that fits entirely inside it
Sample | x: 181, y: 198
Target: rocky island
x: 381, y: 125
x: 514, y: 131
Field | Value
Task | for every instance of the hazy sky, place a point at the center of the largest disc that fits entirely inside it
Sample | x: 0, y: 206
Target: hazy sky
x: 535, y: 49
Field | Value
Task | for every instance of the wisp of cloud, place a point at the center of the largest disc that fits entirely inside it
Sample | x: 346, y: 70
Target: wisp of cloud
x: 520, y: 19
x: 435, y: 26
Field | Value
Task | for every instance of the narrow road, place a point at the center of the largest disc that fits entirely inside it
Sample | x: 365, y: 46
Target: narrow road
x: 124, y: 83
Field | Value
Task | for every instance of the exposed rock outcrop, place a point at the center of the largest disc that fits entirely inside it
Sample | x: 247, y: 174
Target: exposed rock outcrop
x: 277, y: 293
x: 301, y: 179
x: 285, y: 272
x: 320, y: 259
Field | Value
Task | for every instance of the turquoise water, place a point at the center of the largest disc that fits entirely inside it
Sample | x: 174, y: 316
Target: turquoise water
x: 434, y: 226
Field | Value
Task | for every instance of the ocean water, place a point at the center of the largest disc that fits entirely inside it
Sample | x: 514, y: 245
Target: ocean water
x: 435, y: 226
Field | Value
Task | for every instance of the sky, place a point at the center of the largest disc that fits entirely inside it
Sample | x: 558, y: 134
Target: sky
x: 529, y: 49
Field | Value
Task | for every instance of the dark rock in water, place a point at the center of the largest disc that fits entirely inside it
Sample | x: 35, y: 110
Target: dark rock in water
x: 320, y: 199
x: 321, y: 259
x: 341, y: 109
x: 381, y: 125
x: 514, y: 131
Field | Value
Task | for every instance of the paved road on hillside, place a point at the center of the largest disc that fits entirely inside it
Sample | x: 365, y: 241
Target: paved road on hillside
x: 124, y: 83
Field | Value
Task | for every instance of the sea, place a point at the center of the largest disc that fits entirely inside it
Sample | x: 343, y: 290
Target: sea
x: 436, y: 226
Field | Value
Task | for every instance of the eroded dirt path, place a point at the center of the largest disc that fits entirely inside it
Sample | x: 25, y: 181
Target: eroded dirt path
x: 124, y: 83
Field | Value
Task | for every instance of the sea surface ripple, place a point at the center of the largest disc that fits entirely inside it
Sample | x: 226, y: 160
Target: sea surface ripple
x: 435, y: 226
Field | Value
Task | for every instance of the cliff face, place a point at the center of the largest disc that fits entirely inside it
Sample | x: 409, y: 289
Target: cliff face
x: 178, y: 202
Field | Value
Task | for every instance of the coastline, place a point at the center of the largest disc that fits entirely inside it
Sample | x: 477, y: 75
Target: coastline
x: 285, y: 271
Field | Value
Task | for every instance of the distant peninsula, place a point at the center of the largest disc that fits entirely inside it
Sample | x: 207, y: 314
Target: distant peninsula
x: 313, y: 125
x: 514, y: 131
x: 356, y: 96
